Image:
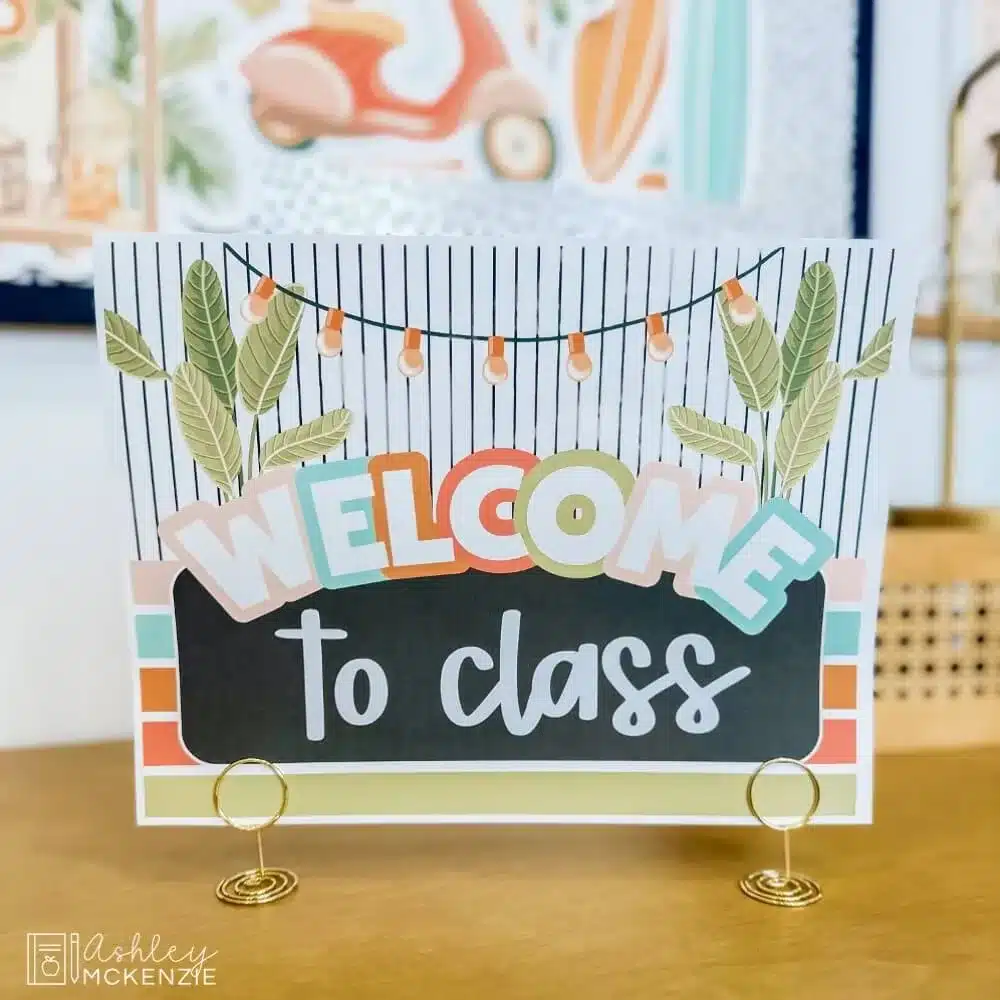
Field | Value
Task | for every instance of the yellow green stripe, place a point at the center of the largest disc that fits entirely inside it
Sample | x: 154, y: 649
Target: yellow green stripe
x: 498, y: 794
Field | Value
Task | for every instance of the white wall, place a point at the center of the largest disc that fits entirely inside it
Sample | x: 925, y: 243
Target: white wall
x: 64, y: 673
x: 923, y: 50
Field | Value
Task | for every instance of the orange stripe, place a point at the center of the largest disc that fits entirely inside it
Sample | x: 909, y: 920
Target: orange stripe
x: 838, y: 744
x: 840, y: 686
x: 158, y: 689
x: 161, y: 745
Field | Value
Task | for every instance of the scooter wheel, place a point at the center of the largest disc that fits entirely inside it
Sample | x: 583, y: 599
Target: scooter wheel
x: 278, y: 131
x: 519, y: 147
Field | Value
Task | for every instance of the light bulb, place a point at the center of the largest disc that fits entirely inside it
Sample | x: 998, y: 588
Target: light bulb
x: 495, y: 368
x: 578, y: 365
x: 330, y: 340
x: 742, y: 307
x: 253, y: 308
x: 659, y: 344
x: 411, y: 358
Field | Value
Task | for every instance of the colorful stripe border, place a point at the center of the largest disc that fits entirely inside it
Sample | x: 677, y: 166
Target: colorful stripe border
x: 498, y: 795
x: 170, y: 794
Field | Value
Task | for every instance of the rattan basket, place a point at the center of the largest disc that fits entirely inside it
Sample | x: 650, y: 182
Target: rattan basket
x: 937, y: 657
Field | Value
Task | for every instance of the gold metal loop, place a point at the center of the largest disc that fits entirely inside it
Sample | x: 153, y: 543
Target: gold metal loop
x: 249, y: 827
x: 810, y: 812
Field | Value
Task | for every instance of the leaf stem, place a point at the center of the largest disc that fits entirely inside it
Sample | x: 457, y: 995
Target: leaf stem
x: 763, y: 486
x: 254, y: 433
x: 240, y: 479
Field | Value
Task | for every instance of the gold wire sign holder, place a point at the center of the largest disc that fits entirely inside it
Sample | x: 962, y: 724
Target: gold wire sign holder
x: 782, y: 888
x: 259, y: 885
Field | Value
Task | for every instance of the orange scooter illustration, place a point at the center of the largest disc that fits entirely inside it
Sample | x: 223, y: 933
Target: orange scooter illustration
x: 324, y: 80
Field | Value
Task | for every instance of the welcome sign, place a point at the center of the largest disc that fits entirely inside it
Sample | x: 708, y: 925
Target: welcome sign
x: 465, y: 532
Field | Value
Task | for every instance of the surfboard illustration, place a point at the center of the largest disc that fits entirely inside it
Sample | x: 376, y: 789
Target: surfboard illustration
x: 714, y: 103
x: 618, y: 70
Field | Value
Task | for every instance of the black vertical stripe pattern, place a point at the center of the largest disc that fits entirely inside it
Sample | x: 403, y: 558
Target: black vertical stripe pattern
x: 708, y: 355
x: 837, y: 356
x: 451, y: 363
x: 583, y: 285
x: 472, y: 351
x: 340, y: 360
x: 201, y: 254
x: 621, y: 377
x: 538, y: 324
x: 666, y: 367
x: 600, y: 356
x: 125, y: 435
x: 180, y: 276
x: 166, y: 385
x: 559, y: 368
x: 687, y: 355
x: 871, y: 417
x: 145, y: 404
x: 256, y: 442
x: 430, y: 381
x: 513, y: 384
x: 162, y: 469
x: 319, y: 321
x: 406, y: 322
x: 493, y: 330
x: 385, y: 345
x: 364, y: 367
x: 298, y: 360
x: 802, y: 484
x: 277, y: 405
x: 854, y: 396
x: 729, y: 381
x: 645, y: 362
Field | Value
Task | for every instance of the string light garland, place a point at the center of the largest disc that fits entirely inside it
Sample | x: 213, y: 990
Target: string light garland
x: 411, y: 358
x: 330, y: 340
x: 578, y: 364
x: 253, y: 308
x: 659, y: 344
x: 736, y: 299
x: 741, y: 305
x: 495, y: 368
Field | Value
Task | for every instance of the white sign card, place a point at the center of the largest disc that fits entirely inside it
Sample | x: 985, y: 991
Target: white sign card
x: 469, y: 531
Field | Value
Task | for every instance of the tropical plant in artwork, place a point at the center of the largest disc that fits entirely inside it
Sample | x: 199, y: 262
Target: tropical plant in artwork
x: 222, y: 374
x: 795, y: 379
x: 193, y: 156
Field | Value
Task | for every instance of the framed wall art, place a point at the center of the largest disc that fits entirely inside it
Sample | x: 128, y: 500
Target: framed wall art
x: 757, y: 109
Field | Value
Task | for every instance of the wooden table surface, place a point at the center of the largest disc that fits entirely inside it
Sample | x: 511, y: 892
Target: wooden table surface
x: 912, y: 907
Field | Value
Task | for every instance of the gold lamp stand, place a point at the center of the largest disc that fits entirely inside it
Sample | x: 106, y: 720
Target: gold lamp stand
x: 948, y: 514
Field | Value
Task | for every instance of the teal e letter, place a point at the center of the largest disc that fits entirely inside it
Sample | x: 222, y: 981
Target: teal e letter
x: 336, y: 503
x: 778, y: 545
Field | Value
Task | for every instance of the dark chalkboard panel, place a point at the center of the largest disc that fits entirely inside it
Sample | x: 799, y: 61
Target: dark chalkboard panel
x: 242, y: 694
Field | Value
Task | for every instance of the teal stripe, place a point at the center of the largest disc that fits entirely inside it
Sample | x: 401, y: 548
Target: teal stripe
x: 715, y: 100
x: 842, y: 633
x: 728, y: 118
x: 154, y: 637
